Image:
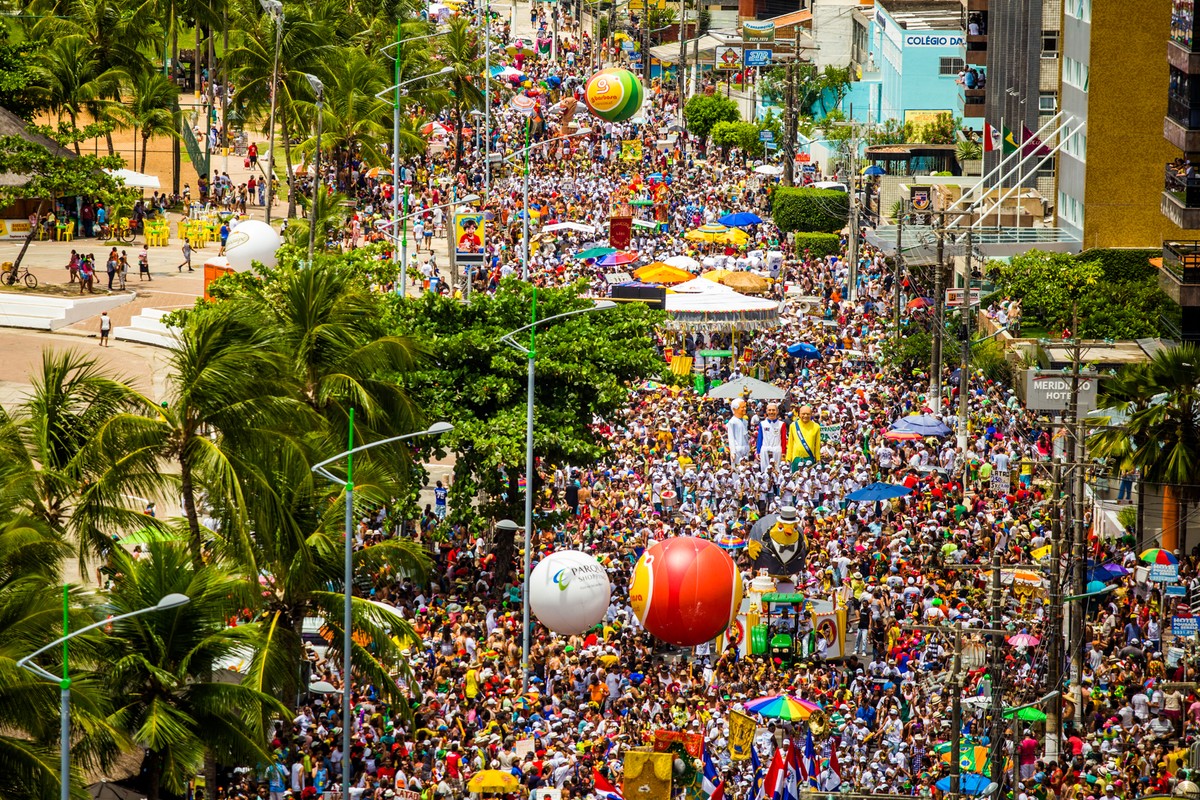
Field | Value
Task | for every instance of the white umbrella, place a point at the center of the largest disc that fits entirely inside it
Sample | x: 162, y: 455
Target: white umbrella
x: 570, y: 226
x: 682, y: 262
x: 759, y: 390
x: 769, y: 169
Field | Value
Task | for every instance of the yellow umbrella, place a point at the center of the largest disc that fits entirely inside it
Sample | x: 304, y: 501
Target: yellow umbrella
x: 733, y: 236
x: 493, y: 780
x: 659, y: 272
x: 710, y: 232
x: 716, y: 275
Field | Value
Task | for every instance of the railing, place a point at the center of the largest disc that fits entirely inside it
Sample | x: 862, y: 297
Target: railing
x: 194, y: 150
x: 1184, y: 182
x: 1183, y: 260
x: 1183, y: 112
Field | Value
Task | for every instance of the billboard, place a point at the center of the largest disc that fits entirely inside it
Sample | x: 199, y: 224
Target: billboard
x: 468, y: 233
x: 757, y: 58
x: 1052, y: 392
x: 754, y: 32
x: 728, y: 57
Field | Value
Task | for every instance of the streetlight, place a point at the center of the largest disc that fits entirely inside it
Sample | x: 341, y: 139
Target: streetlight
x: 525, y: 151
x: 508, y: 525
x: 396, y: 126
x: 319, y: 90
x: 275, y: 9
x: 380, y: 225
x: 348, y: 576
x: 168, y: 602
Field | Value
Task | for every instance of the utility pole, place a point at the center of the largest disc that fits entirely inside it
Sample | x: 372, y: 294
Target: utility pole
x: 1055, y: 628
x: 939, y: 318
x: 852, y: 292
x: 1078, y: 535
x: 956, y: 684
x: 995, y: 670
x: 682, y: 80
x: 789, y: 125
x: 897, y: 267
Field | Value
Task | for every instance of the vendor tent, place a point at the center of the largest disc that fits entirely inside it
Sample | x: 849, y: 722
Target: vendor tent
x: 704, y: 305
x: 136, y: 180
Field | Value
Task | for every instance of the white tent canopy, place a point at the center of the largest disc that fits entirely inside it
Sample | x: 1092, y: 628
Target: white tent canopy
x: 701, y: 304
x: 134, y: 179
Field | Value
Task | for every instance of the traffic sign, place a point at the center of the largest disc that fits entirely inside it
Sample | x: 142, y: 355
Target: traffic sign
x: 766, y: 136
x: 1176, y: 591
x: 757, y: 58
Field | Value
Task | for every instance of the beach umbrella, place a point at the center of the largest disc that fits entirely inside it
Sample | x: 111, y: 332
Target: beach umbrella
x: 682, y: 262
x: 968, y: 783
x: 710, y: 232
x: 922, y: 424
x: 1096, y: 586
x: 375, y: 173
x: 1157, y: 555
x: 658, y: 272
x: 1023, y: 640
x: 524, y: 104
x: 740, y: 219
x: 1028, y: 715
x: 903, y: 436
x: 594, y: 252
x: 919, y: 302
x: 873, y: 170
x: 803, y: 350
x: 1106, y: 572
x: 768, y: 169
x: 493, y: 780
x: 781, y: 707
x: 617, y: 259
x: 434, y: 129
x: 878, y: 491
x: 733, y: 236
x: 729, y: 541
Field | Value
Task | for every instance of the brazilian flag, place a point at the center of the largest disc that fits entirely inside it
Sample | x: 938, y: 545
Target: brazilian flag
x: 1009, y: 144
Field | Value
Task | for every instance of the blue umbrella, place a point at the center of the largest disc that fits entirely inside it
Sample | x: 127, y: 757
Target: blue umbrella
x: 878, y: 491
x: 1105, y: 572
x: 740, y: 219
x: 874, y: 169
x: 968, y: 783
x: 1096, y: 586
x: 923, y: 424
x: 803, y: 350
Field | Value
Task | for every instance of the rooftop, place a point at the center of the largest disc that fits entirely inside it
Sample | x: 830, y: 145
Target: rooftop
x: 925, y: 15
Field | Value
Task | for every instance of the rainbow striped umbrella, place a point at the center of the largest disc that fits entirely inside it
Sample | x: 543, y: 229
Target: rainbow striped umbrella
x: 730, y: 541
x: 1157, y: 556
x: 781, y: 706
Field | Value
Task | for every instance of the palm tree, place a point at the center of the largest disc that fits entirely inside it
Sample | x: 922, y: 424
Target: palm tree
x: 71, y: 78
x: 354, y: 120
x: 151, y: 109
x: 51, y: 468
x: 331, y: 215
x: 459, y: 49
x: 161, y: 665
x: 1164, y: 429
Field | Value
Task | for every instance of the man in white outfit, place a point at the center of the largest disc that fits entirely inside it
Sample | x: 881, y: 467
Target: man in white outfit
x: 738, y: 432
x: 770, y: 439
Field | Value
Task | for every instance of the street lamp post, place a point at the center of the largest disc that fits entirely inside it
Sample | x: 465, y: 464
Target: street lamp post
x: 275, y: 9
x: 508, y: 525
x: 524, y: 152
x: 318, y: 89
x: 64, y: 683
x: 435, y: 429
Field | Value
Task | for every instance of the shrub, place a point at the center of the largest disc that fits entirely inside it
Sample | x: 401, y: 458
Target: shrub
x: 1123, y: 264
x: 819, y: 245
x: 810, y: 210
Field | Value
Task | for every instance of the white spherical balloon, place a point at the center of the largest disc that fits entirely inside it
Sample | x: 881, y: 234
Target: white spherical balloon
x: 251, y: 241
x: 569, y: 591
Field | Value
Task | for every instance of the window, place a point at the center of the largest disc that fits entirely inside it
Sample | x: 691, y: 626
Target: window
x: 1085, y: 10
x: 951, y: 66
x: 1049, y: 42
x: 1047, y: 102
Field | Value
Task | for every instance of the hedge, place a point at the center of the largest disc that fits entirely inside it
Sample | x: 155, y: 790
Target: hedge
x: 818, y: 245
x: 1123, y: 264
x: 810, y: 210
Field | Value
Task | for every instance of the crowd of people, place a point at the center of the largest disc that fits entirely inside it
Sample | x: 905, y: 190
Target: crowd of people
x: 676, y: 466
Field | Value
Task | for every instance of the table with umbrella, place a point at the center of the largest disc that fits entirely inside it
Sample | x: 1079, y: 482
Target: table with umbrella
x: 922, y: 424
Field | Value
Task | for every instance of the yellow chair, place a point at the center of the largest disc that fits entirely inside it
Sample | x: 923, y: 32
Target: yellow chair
x: 182, y: 228
x: 67, y: 232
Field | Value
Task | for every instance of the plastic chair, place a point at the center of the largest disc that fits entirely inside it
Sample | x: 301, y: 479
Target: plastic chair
x: 68, y: 233
x: 182, y: 229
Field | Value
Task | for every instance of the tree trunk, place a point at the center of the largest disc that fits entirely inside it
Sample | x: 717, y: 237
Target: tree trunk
x: 196, y: 74
x: 291, y: 176
x: 458, y: 143
x: 135, y: 141
x: 1170, y: 519
x: 28, y: 238
x: 187, y: 489
x: 145, y: 145
x: 108, y: 140
x: 1141, y: 513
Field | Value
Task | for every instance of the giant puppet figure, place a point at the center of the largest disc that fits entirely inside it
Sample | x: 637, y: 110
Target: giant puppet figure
x: 771, y: 438
x: 803, y: 439
x: 738, y: 432
x: 778, y: 544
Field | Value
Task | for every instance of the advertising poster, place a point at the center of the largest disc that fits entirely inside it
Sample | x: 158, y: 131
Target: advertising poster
x: 468, y: 233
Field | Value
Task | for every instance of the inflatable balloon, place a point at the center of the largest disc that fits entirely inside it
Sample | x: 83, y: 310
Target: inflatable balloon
x: 251, y: 241
x: 685, y: 590
x: 569, y: 591
x: 614, y: 94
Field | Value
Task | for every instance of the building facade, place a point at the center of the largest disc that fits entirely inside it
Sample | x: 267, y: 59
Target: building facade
x: 1180, y: 200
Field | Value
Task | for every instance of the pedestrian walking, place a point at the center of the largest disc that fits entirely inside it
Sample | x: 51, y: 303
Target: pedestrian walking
x: 73, y: 267
x: 105, y: 327
x: 187, y: 257
x: 111, y: 267
x: 123, y: 271
x: 144, y: 263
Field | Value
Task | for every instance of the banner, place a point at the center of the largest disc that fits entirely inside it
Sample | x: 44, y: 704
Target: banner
x: 468, y: 233
x: 620, y: 232
x: 631, y: 150
x: 920, y: 197
x: 727, y: 57
x: 758, y: 31
x: 741, y: 735
x: 830, y: 432
x: 692, y: 742
x: 647, y: 776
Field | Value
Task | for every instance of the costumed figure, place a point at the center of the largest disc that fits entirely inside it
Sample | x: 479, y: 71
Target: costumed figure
x: 771, y: 436
x: 738, y: 432
x: 778, y: 544
x: 803, y: 439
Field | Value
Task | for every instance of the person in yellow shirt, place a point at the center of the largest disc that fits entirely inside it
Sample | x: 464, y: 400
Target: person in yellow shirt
x: 472, y: 682
x: 803, y: 439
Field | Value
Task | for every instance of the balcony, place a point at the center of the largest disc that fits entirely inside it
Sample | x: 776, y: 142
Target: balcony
x: 1179, y: 278
x: 1181, y: 127
x: 973, y: 102
x: 977, y: 50
x: 1181, y: 195
x: 1183, y: 59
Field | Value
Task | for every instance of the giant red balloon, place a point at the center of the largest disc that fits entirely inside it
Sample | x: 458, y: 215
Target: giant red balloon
x: 685, y: 590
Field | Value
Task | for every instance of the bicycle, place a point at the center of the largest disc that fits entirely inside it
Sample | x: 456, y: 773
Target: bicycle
x: 10, y: 277
x: 123, y: 231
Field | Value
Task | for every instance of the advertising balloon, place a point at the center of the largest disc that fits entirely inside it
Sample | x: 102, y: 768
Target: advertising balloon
x: 614, y: 94
x: 685, y: 590
x: 251, y: 241
x: 569, y: 591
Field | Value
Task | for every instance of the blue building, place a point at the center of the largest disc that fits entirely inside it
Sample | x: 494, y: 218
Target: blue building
x: 917, y: 51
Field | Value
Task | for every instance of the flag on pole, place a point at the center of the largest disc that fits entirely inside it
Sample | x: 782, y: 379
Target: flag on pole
x: 757, y: 781
x: 604, y: 789
x: 795, y: 773
x: 810, y: 759
x: 991, y: 137
x: 772, y: 788
x: 833, y: 780
x: 1009, y: 144
x: 710, y: 783
x: 1033, y: 145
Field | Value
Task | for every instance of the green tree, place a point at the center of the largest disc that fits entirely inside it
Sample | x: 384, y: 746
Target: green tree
x: 17, y: 75
x: 160, y: 667
x: 354, y: 120
x: 810, y: 210
x: 1163, y: 427
x: 151, y: 110
x: 702, y: 112
x: 478, y: 384
x: 459, y: 49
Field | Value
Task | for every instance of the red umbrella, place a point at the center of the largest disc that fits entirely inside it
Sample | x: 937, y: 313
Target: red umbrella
x: 906, y: 436
x: 919, y: 302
